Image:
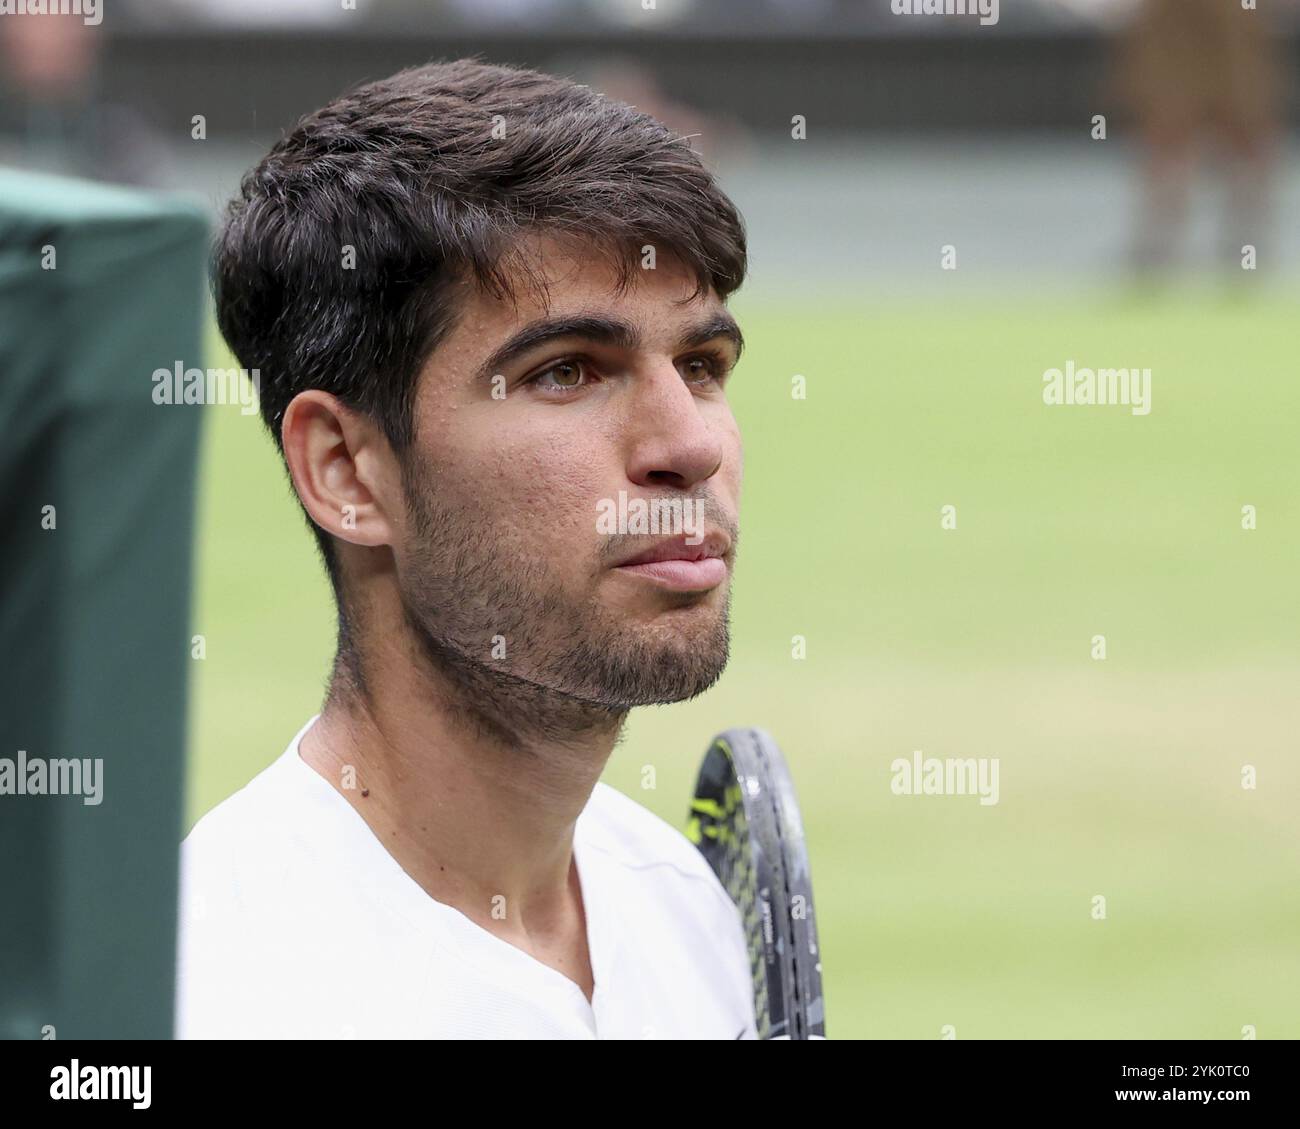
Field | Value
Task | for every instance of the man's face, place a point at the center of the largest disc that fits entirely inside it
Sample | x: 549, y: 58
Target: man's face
x: 543, y: 446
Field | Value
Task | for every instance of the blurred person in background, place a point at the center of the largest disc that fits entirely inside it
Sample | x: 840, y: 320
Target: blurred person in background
x: 49, y: 69
x: 1202, y: 78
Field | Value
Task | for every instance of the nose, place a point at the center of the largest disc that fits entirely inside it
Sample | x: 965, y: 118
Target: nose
x: 673, y: 443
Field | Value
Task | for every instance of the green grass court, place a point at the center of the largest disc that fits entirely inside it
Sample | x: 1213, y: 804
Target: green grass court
x: 1120, y: 778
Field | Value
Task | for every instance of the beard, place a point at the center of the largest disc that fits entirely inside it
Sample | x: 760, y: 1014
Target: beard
x: 524, y: 653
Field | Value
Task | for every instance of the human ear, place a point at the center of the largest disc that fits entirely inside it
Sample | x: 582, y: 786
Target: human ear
x: 342, y: 467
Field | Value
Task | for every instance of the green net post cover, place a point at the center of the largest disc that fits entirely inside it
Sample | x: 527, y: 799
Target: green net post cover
x: 99, y: 288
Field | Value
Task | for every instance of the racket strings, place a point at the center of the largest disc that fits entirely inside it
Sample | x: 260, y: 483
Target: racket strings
x: 720, y: 828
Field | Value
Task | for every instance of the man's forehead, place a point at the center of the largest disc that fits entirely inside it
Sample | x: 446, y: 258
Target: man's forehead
x: 554, y: 280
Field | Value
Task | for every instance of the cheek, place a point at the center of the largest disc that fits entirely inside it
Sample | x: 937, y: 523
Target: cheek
x: 540, y: 489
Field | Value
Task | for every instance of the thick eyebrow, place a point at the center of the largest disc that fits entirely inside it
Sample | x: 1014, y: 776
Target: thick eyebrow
x: 721, y: 325
x: 602, y: 331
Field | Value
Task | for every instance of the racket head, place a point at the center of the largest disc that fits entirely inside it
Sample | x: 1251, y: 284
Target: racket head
x: 745, y: 820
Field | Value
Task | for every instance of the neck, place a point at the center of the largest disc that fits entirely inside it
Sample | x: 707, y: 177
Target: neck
x: 472, y: 779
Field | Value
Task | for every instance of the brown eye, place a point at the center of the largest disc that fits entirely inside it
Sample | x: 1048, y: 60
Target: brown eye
x: 698, y: 370
x: 565, y: 376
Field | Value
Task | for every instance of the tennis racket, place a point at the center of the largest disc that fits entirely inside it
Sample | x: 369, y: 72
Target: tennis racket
x: 745, y: 820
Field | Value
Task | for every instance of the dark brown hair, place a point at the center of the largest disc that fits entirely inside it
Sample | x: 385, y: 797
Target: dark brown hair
x: 433, y: 176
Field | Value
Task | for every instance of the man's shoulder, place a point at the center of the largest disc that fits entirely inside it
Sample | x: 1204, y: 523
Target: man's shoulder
x: 257, y: 808
x: 668, y: 897
x: 258, y: 904
x: 244, y: 819
x: 234, y: 853
x: 634, y: 837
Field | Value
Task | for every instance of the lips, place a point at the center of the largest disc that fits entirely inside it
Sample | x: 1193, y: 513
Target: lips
x: 674, y: 564
x: 677, y: 549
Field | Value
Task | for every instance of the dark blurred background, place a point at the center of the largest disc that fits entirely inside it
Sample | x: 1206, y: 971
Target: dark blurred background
x: 935, y: 111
